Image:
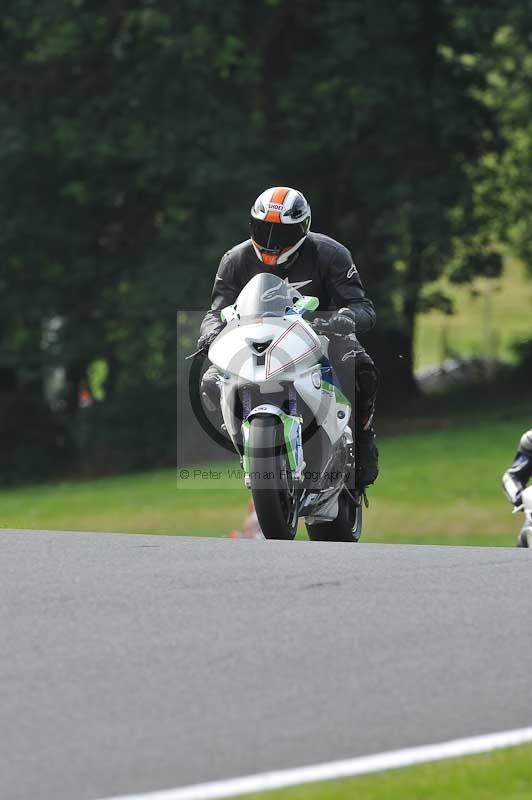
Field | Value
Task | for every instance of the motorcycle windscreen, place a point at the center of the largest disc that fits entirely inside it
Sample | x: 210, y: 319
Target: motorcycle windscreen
x: 266, y: 295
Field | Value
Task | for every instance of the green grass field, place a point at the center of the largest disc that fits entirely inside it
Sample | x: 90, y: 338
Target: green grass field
x: 502, y: 775
x: 436, y: 487
x: 489, y: 316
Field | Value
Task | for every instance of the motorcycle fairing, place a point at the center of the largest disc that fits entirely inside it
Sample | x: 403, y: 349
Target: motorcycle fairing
x: 331, y: 409
x: 303, y: 343
x: 293, y: 345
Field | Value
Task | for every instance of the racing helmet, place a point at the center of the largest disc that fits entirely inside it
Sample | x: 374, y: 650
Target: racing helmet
x: 280, y: 220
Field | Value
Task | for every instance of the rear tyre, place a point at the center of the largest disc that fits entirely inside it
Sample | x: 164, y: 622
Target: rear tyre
x: 524, y: 537
x: 347, y: 527
x: 274, y: 492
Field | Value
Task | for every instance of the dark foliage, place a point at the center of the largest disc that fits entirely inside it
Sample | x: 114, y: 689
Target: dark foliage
x: 135, y: 136
x: 135, y: 429
x: 36, y: 445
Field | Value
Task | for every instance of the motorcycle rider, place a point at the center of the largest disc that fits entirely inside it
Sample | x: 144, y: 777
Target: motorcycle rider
x: 517, y: 476
x: 281, y: 241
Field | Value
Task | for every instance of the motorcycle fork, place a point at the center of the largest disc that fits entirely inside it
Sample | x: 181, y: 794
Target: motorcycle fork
x: 246, y: 403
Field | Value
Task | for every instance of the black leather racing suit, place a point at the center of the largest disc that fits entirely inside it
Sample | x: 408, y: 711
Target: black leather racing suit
x: 335, y: 281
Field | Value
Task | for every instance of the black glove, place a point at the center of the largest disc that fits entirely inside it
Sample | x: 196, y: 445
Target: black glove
x: 205, y: 341
x: 343, y: 322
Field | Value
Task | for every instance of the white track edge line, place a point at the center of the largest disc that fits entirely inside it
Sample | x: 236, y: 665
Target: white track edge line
x: 348, y: 768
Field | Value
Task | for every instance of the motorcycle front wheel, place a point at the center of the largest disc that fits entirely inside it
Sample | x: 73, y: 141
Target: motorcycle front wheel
x: 275, y: 494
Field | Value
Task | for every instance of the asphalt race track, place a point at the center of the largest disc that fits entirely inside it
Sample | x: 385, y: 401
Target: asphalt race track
x: 135, y: 663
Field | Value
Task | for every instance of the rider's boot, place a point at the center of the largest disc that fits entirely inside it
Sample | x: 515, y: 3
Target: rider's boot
x: 210, y: 392
x: 366, y: 454
x: 210, y: 389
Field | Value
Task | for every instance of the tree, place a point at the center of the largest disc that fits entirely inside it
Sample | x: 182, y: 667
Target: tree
x: 393, y: 167
x: 506, y: 184
x: 135, y: 138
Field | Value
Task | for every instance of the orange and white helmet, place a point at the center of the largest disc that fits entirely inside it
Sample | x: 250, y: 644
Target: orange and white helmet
x: 280, y: 220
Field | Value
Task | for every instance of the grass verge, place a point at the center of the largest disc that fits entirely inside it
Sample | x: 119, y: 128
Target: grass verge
x: 489, y: 315
x: 501, y: 775
x: 435, y: 487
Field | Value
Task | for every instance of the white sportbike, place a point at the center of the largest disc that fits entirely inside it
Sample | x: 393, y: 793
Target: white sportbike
x: 286, y: 414
x: 525, y: 536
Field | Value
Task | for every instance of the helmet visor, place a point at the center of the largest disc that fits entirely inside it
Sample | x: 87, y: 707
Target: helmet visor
x: 276, y: 236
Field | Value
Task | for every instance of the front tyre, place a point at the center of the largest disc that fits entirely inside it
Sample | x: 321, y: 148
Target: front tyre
x: 274, y: 492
